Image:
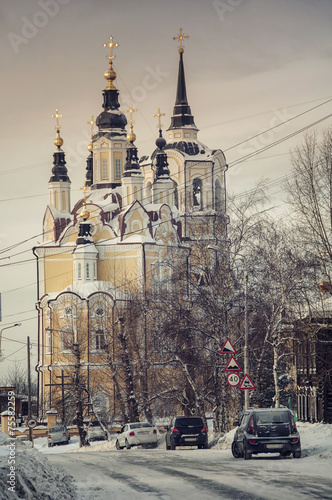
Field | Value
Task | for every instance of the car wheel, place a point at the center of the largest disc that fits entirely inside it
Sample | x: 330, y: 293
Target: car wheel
x: 172, y: 445
x: 127, y: 445
x: 246, y: 453
x: 167, y: 445
x: 235, y: 451
x: 49, y: 445
x: 154, y: 445
x: 297, y: 454
x: 205, y: 446
x: 117, y: 445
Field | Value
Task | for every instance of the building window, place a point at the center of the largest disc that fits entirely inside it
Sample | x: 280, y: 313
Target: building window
x: 197, y: 194
x: 87, y: 271
x: 117, y: 168
x: 104, y: 169
x: 67, y: 339
x: 99, y: 343
x: 48, y: 341
x: 79, y: 271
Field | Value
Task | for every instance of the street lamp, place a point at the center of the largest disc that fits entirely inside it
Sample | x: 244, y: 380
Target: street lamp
x: 6, y: 328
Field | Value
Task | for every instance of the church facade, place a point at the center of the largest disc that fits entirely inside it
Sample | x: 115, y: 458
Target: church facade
x: 138, y: 218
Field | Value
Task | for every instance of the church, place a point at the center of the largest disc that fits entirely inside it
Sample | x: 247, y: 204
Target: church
x: 136, y: 220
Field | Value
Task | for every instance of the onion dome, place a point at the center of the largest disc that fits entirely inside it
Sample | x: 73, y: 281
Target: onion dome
x: 160, y: 161
x: 131, y: 166
x: 59, y: 170
x: 111, y: 118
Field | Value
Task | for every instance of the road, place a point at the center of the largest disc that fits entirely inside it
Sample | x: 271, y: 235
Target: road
x: 190, y: 474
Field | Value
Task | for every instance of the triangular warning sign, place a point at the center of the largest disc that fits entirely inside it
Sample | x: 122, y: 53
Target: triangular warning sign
x: 227, y: 348
x: 247, y: 383
x: 233, y: 365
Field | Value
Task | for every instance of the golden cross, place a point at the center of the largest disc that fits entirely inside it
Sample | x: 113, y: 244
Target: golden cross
x: 111, y: 44
x: 180, y: 37
x: 84, y: 188
x: 57, y: 116
x: 91, y: 122
x: 159, y: 115
x: 131, y: 111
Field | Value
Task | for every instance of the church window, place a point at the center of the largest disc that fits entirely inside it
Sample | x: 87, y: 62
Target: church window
x: 104, y: 169
x: 117, y: 168
x: 64, y: 205
x: 79, y: 271
x: 87, y: 271
x: 67, y: 338
x: 197, y: 194
x: 218, y: 196
x: 99, y: 341
x: 176, y: 194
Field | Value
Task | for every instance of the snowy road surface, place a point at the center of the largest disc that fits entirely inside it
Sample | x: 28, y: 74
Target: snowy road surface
x: 192, y: 474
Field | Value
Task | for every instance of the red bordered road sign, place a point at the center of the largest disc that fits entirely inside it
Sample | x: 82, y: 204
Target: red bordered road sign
x: 233, y: 366
x: 227, y: 348
x: 233, y: 379
x: 32, y: 423
x: 247, y: 383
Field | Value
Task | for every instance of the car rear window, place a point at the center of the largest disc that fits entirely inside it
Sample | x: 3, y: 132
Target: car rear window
x: 186, y: 422
x: 280, y: 417
x: 140, y: 425
x: 59, y: 428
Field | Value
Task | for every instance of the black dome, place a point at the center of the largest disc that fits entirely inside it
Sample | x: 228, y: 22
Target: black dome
x: 111, y: 119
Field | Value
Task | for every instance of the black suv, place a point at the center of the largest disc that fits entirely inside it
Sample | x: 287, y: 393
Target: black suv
x: 266, y: 430
x: 186, y: 431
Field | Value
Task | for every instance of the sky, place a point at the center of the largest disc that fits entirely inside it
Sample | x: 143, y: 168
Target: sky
x: 250, y: 65
x: 40, y: 469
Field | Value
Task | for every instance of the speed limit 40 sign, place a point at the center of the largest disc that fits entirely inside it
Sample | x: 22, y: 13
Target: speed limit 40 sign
x: 233, y: 379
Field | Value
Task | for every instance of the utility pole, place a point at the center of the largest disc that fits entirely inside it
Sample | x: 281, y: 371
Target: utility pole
x: 246, y: 329
x: 29, y: 389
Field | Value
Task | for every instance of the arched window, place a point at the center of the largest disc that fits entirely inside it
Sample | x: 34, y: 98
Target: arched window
x: 87, y: 271
x: 217, y: 195
x: 67, y: 338
x: 197, y: 194
x: 79, y: 271
x: 176, y: 194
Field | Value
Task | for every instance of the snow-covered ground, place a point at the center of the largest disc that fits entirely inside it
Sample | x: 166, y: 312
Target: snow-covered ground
x: 37, y: 478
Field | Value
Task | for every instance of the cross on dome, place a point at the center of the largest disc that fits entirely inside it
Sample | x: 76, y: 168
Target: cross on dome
x: 111, y: 44
x: 57, y: 116
x: 158, y: 115
x: 131, y: 137
x: 180, y: 38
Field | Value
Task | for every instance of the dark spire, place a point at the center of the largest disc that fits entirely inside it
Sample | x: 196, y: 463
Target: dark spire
x: 84, y: 233
x: 161, y: 163
x: 181, y: 112
x: 131, y: 166
x: 59, y: 169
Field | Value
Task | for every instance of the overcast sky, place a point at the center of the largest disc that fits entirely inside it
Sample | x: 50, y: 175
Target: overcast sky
x: 250, y: 65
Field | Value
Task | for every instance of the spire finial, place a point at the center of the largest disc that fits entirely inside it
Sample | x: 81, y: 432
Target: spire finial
x: 85, y: 214
x: 158, y: 115
x: 91, y: 123
x: 131, y: 137
x: 58, y: 141
x: 180, y: 38
x: 110, y: 74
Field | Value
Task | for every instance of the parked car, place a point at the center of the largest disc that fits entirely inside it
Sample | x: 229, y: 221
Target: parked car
x: 186, y: 431
x: 135, y: 434
x: 266, y: 430
x: 58, y: 435
x: 95, y: 432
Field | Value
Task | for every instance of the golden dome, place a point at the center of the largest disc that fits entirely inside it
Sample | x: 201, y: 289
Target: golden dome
x: 90, y: 147
x: 58, y: 141
x: 110, y: 76
x: 85, y: 214
x: 131, y: 137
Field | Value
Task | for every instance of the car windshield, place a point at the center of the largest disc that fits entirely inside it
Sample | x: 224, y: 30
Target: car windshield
x: 139, y: 425
x: 59, y: 428
x: 280, y: 417
x: 188, y: 422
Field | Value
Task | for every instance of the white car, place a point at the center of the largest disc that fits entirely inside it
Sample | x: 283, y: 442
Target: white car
x: 135, y: 434
x: 95, y: 432
x: 58, y: 435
